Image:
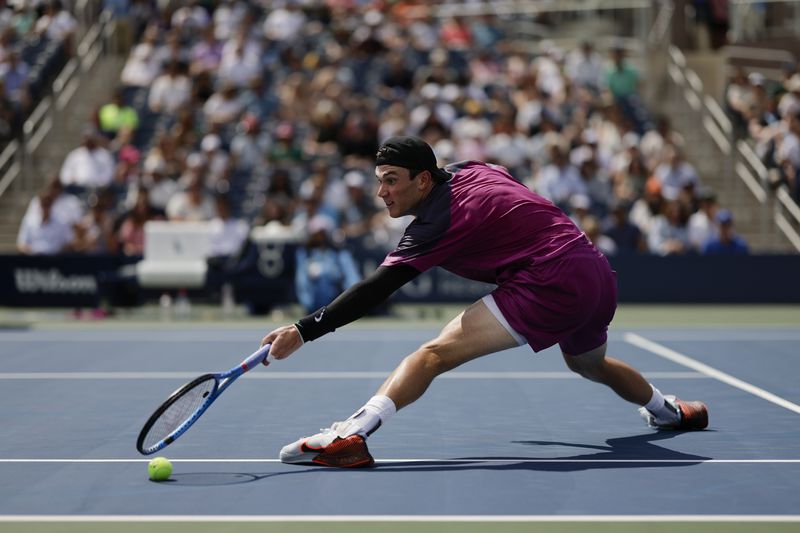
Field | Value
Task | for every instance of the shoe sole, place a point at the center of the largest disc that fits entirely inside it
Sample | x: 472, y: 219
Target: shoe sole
x: 350, y: 452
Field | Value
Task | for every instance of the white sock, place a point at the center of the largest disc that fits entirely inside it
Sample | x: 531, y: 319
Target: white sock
x: 660, y: 409
x: 369, y: 418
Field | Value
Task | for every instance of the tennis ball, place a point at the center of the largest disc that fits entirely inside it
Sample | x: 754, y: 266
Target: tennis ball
x: 159, y: 469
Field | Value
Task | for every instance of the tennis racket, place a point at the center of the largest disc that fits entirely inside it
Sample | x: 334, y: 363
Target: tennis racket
x: 188, y: 403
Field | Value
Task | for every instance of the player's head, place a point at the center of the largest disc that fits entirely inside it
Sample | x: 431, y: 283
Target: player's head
x: 413, y: 154
x: 406, y: 171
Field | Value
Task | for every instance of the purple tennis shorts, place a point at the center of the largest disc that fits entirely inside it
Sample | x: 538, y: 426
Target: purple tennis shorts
x: 568, y: 301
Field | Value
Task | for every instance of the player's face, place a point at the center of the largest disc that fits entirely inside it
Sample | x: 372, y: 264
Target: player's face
x: 398, y: 191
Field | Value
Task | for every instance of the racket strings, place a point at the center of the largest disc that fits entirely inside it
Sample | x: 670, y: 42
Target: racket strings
x: 179, y: 411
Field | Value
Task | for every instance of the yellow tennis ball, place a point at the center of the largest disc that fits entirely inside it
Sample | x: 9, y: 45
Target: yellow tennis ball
x: 159, y: 469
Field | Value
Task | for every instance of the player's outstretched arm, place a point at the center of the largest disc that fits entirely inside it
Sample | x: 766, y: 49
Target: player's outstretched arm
x: 351, y: 305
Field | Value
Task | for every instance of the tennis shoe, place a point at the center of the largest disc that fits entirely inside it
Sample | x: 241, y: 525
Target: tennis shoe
x: 691, y: 415
x: 337, y: 446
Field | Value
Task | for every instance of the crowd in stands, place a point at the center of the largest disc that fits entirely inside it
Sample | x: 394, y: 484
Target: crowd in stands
x: 767, y: 113
x: 36, y: 39
x: 269, y: 114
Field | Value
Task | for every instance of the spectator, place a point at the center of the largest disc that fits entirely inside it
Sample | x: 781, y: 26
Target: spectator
x: 90, y: 165
x: 675, y: 174
x: 65, y: 207
x: 16, y: 74
x: 584, y: 67
x: 702, y: 225
x: 170, y: 91
x: 285, y: 148
x: 280, y: 189
x: 143, y: 65
x: 622, y: 78
x: 193, y: 204
x: 669, y: 234
x: 46, y: 234
x: 322, y: 270
x: 120, y: 26
x: 206, y: 54
x: 250, y: 145
x: 218, y: 163
x: 627, y: 236
x: 645, y: 209
x: 57, y: 24
x: 95, y: 231
x: 24, y: 19
x: 559, y: 180
x: 131, y: 231
x: 283, y: 22
x: 787, y: 153
x: 161, y: 188
x: 727, y: 242
x: 739, y: 97
x: 117, y: 115
x: 228, y: 233
x: 9, y: 117
x: 224, y: 106
x: 240, y: 61
x: 360, y: 206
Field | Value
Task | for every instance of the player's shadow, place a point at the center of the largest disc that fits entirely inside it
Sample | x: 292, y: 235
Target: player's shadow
x: 636, y: 451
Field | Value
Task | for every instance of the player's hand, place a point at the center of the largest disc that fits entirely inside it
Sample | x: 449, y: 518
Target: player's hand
x: 285, y: 341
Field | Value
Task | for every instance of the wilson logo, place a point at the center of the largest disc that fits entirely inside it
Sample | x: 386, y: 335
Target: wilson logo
x: 31, y: 280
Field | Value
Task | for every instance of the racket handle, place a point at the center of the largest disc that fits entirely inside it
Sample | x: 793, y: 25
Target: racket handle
x: 257, y: 357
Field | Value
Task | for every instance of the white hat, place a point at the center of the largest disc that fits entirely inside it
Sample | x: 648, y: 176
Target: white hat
x: 210, y: 142
x: 354, y: 178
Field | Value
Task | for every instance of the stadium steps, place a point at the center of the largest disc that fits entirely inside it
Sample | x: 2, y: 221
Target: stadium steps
x: 95, y: 89
x: 752, y: 220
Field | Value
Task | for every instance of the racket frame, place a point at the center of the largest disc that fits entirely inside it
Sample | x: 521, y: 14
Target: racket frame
x: 221, y: 382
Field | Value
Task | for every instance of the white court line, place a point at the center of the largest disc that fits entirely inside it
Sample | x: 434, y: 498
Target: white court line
x: 318, y: 375
x: 684, y: 360
x: 400, y: 518
x: 418, y: 460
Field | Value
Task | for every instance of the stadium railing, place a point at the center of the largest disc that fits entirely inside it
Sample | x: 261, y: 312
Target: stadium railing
x: 738, y: 158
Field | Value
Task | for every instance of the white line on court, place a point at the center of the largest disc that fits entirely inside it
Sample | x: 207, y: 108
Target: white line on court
x: 419, y: 460
x: 400, y: 518
x: 318, y: 375
x: 684, y: 360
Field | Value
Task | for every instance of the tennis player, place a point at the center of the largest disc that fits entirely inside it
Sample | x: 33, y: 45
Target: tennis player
x: 475, y: 220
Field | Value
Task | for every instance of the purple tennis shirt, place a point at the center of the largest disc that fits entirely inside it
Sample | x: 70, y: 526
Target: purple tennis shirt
x: 482, y: 223
x: 553, y: 285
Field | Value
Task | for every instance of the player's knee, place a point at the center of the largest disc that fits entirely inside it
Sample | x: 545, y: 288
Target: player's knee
x: 592, y: 370
x: 430, y: 358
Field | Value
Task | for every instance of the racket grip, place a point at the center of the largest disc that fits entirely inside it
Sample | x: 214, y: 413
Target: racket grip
x: 257, y: 357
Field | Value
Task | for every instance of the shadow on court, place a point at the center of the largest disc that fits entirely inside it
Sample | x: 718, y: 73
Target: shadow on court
x: 637, y: 451
x: 619, y: 453
x: 220, y: 479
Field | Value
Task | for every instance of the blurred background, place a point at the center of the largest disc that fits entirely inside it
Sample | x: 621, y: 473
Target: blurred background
x: 219, y: 155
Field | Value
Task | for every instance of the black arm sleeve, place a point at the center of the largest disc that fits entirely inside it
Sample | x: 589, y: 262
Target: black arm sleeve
x: 356, y: 301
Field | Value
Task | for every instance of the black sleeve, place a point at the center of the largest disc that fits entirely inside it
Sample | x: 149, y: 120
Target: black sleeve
x: 356, y: 301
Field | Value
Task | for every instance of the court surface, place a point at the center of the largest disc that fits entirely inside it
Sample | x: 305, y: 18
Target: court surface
x: 510, y: 442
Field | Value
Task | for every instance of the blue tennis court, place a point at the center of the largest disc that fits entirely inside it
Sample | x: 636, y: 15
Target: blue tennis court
x: 511, y: 439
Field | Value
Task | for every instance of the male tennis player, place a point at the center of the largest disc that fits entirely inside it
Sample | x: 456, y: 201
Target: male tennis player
x: 474, y: 219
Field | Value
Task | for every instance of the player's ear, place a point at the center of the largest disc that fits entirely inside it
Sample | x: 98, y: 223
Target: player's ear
x: 424, y: 179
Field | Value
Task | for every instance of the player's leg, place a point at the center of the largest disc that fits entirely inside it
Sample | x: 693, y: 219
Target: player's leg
x: 623, y: 379
x: 473, y: 333
x: 666, y: 412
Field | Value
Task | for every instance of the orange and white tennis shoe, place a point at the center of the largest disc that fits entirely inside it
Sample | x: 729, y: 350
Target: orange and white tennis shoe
x: 691, y: 415
x: 334, y: 446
